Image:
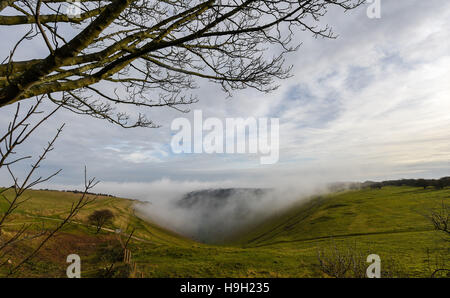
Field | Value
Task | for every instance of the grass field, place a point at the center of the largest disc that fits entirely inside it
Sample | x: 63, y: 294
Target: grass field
x: 390, y: 222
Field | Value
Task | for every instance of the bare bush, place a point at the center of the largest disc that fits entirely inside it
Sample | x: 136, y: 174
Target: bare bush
x: 340, y: 262
x: 346, y: 261
x: 439, y: 218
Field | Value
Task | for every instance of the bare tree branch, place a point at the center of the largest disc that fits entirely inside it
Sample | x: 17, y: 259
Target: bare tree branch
x: 156, y: 50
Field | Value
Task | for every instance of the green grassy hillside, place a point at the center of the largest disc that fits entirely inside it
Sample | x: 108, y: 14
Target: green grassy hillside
x: 390, y: 222
x: 390, y: 210
x: 48, y: 206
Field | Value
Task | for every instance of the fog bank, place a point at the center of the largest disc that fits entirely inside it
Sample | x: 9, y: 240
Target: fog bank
x: 211, y: 213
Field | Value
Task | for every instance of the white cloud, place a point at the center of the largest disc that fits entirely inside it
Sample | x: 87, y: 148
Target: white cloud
x: 372, y: 104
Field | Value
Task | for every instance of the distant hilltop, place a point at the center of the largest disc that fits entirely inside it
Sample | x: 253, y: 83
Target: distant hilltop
x: 425, y: 183
x: 219, y: 197
x: 69, y: 191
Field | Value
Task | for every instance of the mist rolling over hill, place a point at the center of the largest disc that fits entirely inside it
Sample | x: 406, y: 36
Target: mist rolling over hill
x: 213, y: 215
x: 222, y: 212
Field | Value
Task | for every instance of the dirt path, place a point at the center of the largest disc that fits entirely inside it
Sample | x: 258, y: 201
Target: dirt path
x: 336, y: 236
x: 83, y: 224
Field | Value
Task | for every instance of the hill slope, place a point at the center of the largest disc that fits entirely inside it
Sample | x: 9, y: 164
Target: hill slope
x: 365, y: 212
x: 389, y: 222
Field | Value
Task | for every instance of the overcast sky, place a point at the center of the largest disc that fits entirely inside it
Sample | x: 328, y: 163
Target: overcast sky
x: 373, y: 104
